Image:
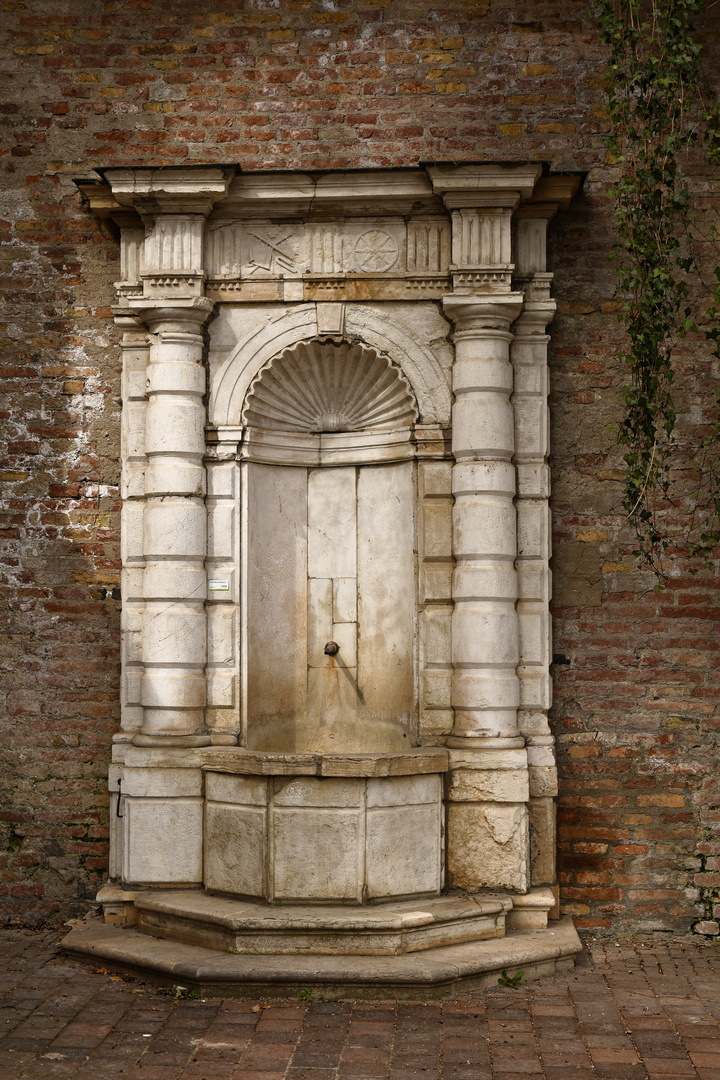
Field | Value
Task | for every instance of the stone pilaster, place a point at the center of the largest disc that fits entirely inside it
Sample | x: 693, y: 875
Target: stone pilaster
x: 135, y: 351
x: 529, y: 359
x: 532, y: 444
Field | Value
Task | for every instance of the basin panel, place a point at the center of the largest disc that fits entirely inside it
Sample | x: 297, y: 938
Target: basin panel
x: 299, y: 838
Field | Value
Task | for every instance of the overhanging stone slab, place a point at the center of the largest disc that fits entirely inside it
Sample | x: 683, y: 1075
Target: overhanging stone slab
x: 416, y: 976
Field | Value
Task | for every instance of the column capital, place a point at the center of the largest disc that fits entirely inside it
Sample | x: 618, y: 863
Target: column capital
x: 164, y: 257
x: 481, y: 200
x: 183, y: 314
x: 490, y: 311
x: 535, y: 318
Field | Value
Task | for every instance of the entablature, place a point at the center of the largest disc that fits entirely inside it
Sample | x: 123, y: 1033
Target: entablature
x: 396, y: 234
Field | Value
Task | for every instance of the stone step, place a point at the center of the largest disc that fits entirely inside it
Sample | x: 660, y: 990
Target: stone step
x: 216, y: 922
x: 417, y: 976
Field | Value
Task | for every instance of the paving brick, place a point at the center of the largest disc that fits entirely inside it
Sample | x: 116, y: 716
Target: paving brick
x: 296, y: 1073
x: 578, y: 1073
x: 675, y: 1067
x: 613, y: 1056
x: 520, y: 1038
x: 516, y: 1065
x: 565, y: 1061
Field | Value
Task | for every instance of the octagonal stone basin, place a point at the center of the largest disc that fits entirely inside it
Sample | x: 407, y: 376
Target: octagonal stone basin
x: 326, y: 828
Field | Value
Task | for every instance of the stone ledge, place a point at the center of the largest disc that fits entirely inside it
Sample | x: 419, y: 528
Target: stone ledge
x: 415, y: 762
x: 238, y: 759
x: 421, y: 976
x: 248, y: 928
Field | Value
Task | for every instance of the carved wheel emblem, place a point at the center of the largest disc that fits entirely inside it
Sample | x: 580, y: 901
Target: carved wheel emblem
x: 375, y: 251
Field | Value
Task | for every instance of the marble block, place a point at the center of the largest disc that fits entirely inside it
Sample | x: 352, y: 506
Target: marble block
x: 324, y: 839
x: 163, y: 841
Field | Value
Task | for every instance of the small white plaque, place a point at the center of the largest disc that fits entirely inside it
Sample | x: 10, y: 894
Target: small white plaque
x: 217, y: 585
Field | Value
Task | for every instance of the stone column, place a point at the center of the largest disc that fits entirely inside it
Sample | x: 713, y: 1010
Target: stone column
x: 174, y: 529
x: 488, y: 837
x: 484, y: 629
x: 487, y: 813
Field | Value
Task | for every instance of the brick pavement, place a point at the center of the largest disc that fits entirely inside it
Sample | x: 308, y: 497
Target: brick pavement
x: 628, y: 1011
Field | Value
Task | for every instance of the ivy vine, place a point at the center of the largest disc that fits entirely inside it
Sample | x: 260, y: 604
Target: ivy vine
x: 657, y: 102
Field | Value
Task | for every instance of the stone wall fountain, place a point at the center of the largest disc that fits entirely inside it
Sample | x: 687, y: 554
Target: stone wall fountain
x: 335, y: 766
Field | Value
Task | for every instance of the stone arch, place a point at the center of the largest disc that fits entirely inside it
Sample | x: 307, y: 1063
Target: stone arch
x: 426, y: 375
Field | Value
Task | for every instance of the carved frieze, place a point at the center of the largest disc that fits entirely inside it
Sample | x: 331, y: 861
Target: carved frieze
x: 274, y: 251
x: 428, y: 246
x: 375, y: 252
x: 223, y: 250
x: 325, y: 254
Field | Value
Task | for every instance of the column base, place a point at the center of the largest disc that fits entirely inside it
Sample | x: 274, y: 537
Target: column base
x: 171, y: 740
x: 531, y: 911
x: 462, y: 742
x: 118, y: 904
x: 488, y: 846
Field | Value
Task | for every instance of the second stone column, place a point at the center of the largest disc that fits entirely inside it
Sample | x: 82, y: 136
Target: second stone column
x: 488, y: 792
x: 487, y: 801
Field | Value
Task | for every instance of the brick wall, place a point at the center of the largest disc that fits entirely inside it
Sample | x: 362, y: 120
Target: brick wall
x: 316, y: 84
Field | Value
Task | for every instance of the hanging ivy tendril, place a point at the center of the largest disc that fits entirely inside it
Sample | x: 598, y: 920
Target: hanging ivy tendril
x: 656, y: 101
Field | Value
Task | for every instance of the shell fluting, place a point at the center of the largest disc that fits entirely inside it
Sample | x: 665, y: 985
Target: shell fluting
x: 320, y: 386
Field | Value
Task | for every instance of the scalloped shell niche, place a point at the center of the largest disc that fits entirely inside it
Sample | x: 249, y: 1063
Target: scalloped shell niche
x: 325, y: 387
